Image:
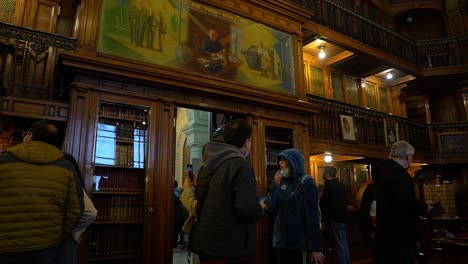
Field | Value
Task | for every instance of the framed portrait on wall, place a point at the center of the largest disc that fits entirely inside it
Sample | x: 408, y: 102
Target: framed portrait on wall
x: 391, y: 132
x: 348, y: 129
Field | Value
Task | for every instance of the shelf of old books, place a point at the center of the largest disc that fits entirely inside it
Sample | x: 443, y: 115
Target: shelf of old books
x: 118, y: 189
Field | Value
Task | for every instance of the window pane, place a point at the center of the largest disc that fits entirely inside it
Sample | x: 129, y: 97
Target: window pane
x: 316, y: 80
x: 383, y: 99
x: 370, y: 94
x: 352, y: 91
x: 337, y: 85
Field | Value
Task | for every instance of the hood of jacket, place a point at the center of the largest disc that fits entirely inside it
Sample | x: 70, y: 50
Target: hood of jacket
x: 215, y: 153
x: 36, y: 152
x: 295, y: 160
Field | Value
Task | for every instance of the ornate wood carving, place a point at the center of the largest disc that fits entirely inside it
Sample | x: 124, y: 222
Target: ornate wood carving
x: 34, y: 108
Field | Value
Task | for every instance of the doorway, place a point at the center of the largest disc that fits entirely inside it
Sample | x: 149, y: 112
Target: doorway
x: 193, y: 131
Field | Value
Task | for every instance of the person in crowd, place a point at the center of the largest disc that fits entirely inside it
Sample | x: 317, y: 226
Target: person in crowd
x: 398, y: 210
x: 333, y: 204
x: 41, y: 197
x: 294, y: 200
x: 179, y: 216
x: 69, y: 250
x: 226, y: 194
x: 368, y: 213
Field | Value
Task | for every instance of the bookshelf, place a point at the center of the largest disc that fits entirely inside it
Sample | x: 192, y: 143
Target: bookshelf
x: 276, y: 140
x: 118, y: 184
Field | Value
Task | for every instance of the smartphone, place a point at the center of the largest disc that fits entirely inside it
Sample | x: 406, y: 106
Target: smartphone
x: 190, y: 171
x: 262, y: 199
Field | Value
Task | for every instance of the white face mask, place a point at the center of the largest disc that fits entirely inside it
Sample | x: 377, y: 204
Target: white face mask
x: 285, y: 172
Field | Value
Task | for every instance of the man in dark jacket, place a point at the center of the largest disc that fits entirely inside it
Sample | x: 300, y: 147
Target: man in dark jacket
x: 227, y: 199
x: 41, y: 198
x: 333, y: 206
x: 398, y: 210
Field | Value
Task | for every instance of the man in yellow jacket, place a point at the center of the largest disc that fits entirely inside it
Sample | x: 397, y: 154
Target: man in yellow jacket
x: 41, y: 198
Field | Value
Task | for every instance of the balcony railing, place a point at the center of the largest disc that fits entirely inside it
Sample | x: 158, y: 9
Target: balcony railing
x: 27, y: 62
x: 325, y: 126
x: 342, y: 19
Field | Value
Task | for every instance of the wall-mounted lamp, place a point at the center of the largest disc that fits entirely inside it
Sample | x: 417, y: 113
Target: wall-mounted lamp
x: 322, y: 53
x: 389, y: 75
x: 328, y: 158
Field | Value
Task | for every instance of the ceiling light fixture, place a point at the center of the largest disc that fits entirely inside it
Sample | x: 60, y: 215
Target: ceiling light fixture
x: 322, y: 53
x: 328, y: 158
x: 389, y: 75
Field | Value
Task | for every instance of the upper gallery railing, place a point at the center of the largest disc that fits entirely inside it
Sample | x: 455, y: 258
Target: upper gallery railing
x: 370, y: 126
x: 27, y: 61
x: 342, y: 19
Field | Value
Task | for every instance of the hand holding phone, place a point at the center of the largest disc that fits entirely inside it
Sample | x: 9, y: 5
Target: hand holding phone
x: 190, y: 171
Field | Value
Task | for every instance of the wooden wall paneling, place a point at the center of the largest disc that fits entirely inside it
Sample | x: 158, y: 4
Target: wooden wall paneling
x: 301, y: 87
x: 19, y: 12
x: 79, y: 139
x: 160, y: 182
x: 258, y: 146
x: 41, y: 15
x: 327, y: 85
x: 87, y: 24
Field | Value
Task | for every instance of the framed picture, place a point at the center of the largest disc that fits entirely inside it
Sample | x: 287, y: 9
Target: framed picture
x: 452, y: 141
x: 348, y: 129
x: 391, y: 132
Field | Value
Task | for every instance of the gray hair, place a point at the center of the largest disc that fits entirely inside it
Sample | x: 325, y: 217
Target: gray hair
x: 330, y: 170
x: 400, y: 149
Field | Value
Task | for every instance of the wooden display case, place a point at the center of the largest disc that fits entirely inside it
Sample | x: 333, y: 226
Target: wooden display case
x: 118, y: 184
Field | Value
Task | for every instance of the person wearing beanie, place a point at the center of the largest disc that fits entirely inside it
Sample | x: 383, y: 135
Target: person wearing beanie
x: 226, y: 192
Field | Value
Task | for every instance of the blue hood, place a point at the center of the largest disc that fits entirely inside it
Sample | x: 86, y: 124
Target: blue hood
x: 295, y: 160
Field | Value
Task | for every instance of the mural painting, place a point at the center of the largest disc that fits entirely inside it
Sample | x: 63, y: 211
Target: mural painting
x: 191, y: 36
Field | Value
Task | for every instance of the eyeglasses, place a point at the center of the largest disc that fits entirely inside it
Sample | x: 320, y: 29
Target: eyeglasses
x: 25, y: 133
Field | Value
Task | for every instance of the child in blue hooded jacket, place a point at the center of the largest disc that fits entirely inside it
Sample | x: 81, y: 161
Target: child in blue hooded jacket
x: 294, y: 200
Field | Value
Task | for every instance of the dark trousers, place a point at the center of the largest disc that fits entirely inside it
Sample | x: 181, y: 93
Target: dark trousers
x: 289, y: 256
x: 45, y: 256
x: 209, y: 260
x: 402, y: 253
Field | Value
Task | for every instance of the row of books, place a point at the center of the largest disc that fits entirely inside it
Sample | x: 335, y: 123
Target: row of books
x: 119, y: 207
x: 121, y: 129
x: 123, y: 111
x: 115, y: 240
x: 119, y: 180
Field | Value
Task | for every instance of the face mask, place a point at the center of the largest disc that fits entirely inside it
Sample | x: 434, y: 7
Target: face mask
x: 285, y: 172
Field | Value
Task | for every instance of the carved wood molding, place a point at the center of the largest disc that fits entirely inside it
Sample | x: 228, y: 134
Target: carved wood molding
x: 34, y: 108
x: 279, y: 14
x: 38, y: 37
x: 195, y: 90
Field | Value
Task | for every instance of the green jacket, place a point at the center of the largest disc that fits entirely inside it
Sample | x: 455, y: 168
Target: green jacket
x: 40, y: 198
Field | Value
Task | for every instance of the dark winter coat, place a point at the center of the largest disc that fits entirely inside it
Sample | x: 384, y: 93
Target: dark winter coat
x: 295, y: 203
x: 333, y: 202
x: 228, y: 205
x: 398, y: 210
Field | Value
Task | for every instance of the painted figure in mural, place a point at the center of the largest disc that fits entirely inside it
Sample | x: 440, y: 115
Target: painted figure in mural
x: 265, y: 60
x: 161, y: 31
x: 132, y: 12
x: 152, y: 29
x: 211, y: 46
